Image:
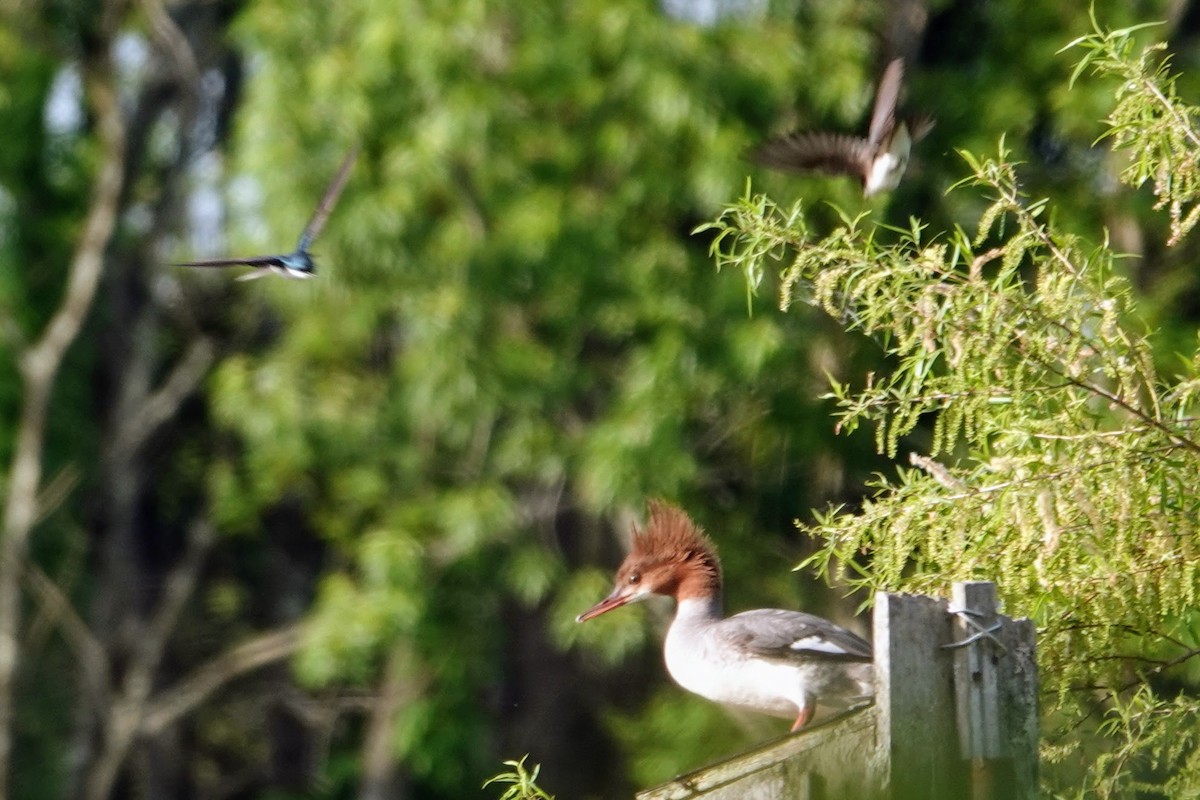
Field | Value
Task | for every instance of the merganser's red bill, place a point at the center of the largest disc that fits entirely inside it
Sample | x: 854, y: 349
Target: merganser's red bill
x: 614, y: 600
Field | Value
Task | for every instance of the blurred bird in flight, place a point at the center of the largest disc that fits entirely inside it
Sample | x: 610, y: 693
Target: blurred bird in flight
x: 298, y: 263
x: 878, y: 161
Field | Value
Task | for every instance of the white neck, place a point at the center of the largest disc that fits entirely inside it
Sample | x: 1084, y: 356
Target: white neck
x: 696, y: 609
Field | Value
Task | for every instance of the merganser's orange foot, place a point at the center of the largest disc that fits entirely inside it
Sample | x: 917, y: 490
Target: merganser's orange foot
x: 802, y: 718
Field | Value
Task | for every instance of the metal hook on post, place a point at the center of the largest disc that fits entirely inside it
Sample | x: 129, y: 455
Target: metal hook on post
x: 979, y: 632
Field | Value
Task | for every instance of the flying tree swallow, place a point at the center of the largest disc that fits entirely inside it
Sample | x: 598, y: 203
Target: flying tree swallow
x: 878, y: 161
x: 299, y: 263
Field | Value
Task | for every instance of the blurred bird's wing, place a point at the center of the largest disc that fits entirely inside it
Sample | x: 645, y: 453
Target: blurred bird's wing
x: 251, y: 261
x: 327, y: 202
x: 920, y: 126
x: 832, y: 153
x: 883, y: 117
x: 254, y: 275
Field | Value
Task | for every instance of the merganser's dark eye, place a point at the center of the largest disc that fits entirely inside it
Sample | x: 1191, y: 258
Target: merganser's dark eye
x: 635, y: 578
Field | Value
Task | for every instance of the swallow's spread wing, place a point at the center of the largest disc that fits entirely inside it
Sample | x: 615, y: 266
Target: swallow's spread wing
x: 920, y: 126
x: 832, y: 153
x: 883, y: 117
x: 255, y: 274
x: 327, y: 202
x: 252, y: 261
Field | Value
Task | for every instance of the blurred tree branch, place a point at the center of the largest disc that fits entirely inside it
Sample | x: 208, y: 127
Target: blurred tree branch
x: 381, y: 774
x: 122, y: 720
x: 154, y: 410
x: 134, y: 713
x: 40, y: 363
x: 93, y: 659
x: 172, y: 41
x: 174, y: 703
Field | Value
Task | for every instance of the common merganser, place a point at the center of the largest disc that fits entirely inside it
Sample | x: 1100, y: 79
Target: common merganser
x: 772, y: 661
x: 878, y: 161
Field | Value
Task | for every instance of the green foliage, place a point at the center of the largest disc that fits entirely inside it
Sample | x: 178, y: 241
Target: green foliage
x: 513, y: 340
x: 1157, y: 746
x: 1070, y: 463
x: 610, y: 638
x: 693, y: 728
x: 522, y: 782
x: 512, y: 332
x: 1149, y: 120
x: 511, y: 324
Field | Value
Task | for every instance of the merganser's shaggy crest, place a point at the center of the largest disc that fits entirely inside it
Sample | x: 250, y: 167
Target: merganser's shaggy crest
x: 782, y: 663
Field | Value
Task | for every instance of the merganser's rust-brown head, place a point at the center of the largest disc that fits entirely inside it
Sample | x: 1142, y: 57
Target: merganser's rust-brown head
x: 672, y: 556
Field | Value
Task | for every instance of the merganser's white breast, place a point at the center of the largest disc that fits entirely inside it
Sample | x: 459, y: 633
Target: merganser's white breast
x: 771, y: 661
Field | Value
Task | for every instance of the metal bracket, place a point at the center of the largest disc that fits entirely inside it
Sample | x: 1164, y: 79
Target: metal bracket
x: 980, y: 632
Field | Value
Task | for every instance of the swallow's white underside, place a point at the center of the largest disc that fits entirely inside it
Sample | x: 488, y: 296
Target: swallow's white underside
x: 888, y: 167
x: 262, y: 272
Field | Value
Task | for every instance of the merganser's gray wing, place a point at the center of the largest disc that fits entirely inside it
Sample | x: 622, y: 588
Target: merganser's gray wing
x: 790, y: 635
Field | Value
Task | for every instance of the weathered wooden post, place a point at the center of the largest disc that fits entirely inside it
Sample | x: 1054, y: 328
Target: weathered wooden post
x: 914, y: 692
x: 995, y: 682
x: 976, y: 685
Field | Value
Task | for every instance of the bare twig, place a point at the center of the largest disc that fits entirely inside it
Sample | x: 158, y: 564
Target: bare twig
x: 1159, y: 666
x: 178, y: 588
x: 56, y: 491
x: 1171, y: 434
x: 1181, y: 121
